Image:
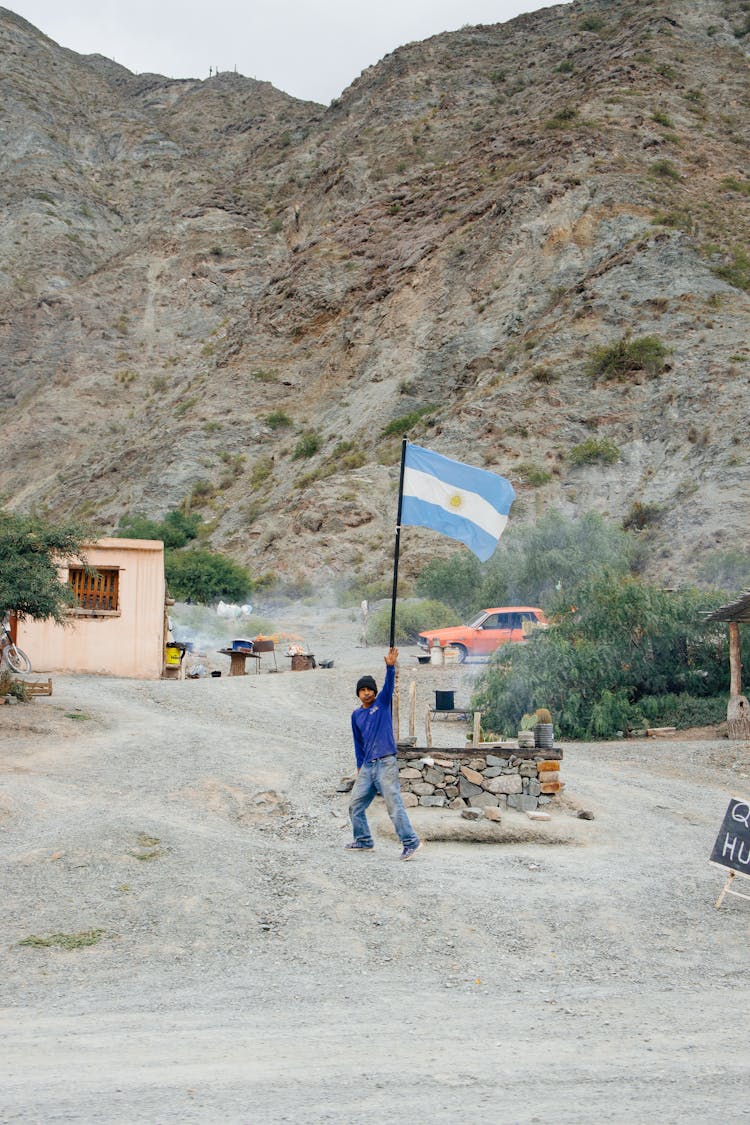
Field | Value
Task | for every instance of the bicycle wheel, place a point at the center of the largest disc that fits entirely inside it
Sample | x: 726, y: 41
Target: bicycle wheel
x: 17, y: 660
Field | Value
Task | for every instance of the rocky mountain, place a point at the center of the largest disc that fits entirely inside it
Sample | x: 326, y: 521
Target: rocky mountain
x: 213, y: 294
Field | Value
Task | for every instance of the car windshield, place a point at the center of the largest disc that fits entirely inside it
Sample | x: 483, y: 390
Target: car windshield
x: 478, y: 622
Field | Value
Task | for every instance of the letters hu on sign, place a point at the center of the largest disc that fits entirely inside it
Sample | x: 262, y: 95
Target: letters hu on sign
x: 732, y: 847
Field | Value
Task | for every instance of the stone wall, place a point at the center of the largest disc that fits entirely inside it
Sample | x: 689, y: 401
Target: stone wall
x: 490, y: 780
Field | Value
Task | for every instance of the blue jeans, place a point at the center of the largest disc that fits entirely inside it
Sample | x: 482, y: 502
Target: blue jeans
x: 380, y: 776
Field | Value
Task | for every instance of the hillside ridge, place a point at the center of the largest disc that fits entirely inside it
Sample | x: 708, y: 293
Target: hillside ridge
x: 216, y: 295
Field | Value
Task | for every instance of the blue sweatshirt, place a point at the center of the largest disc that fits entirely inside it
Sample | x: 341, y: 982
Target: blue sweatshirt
x: 372, y: 727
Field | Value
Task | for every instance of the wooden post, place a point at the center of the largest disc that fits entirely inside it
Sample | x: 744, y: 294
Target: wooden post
x: 412, y: 708
x: 397, y: 709
x: 477, y: 728
x: 427, y: 727
x: 738, y: 708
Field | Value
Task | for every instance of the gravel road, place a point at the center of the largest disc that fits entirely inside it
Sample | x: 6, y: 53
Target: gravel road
x: 245, y: 968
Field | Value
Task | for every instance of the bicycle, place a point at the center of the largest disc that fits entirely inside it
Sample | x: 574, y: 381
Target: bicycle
x: 11, y: 656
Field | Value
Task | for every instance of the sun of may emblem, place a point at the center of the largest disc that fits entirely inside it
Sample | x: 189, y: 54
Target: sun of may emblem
x: 455, y: 501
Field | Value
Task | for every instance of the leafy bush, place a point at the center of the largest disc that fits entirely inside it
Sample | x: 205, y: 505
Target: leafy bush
x: 621, y: 644
x: 683, y: 710
x: 278, y: 419
x: 412, y: 618
x: 205, y: 576
x: 594, y: 450
x: 618, y: 360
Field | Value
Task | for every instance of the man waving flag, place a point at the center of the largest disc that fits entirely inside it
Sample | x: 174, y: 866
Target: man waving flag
x: 465, y: 503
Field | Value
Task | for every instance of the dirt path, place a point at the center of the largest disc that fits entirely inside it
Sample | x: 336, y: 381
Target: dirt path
x: 250, y: 970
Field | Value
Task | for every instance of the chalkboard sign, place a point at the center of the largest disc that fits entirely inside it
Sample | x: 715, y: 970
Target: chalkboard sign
x: 732, y: 847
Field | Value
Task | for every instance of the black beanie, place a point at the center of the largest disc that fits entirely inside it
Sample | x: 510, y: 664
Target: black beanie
x: 366, y: 681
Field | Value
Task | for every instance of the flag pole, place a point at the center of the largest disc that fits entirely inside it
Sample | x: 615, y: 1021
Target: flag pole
x: 392, y: 635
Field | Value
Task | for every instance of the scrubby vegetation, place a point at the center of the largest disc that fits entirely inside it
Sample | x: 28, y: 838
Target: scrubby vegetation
x: 412, y: 618
x: 621, y: 653
x: 619, y: 360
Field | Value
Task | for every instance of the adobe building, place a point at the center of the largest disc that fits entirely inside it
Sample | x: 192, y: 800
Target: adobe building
x: 119, y: 626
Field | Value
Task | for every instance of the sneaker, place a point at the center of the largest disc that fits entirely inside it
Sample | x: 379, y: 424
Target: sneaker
x: 355, y: 846
x: 410, y: 850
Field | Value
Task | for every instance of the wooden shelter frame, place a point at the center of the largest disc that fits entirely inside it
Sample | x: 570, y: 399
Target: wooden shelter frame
x: 738, y: 708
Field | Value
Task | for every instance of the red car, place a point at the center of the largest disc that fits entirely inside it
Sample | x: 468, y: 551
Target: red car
x: 493, y: 627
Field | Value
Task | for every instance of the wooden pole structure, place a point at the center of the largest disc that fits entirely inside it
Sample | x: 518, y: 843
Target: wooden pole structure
x: 738, y: 708
x: 412, y: 708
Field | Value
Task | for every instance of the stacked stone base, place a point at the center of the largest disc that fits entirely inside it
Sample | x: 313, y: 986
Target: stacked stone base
x: 490, y: 781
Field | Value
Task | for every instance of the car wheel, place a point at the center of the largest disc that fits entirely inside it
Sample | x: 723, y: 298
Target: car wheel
x: 462, y: 651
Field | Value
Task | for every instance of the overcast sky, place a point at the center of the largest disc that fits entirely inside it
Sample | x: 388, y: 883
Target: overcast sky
x: 309, y: 48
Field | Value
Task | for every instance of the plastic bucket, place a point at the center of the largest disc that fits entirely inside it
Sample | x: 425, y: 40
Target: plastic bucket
x: 444, y: 700
x: 173, y: 655
x: 450, y: 654
x: 437, y: 656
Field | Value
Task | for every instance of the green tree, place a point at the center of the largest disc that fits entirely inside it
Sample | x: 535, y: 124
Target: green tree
x: 455, y: 581
x: 30, y: 549
x: 205, y: 576
x: 532, y: 564
x: 175, y: 530
x: 552, y: 556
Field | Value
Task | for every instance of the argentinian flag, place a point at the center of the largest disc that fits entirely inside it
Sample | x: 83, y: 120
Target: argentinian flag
x: 457, y: 500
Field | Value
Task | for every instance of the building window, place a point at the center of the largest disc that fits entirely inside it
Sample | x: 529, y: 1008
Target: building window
x: 96, y: 591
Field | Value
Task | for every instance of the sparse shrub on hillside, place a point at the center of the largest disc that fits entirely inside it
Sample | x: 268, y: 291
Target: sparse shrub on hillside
x: 565, y: 67
x: 532, y: 474
x: 665, y: 170
x: 737, y: 271
x: 591, y: 23
x: 407, y: 421
x: 278, y: 420
x: 730, y: 183
x: 641, y: 515
x: 626, y: 355
x: 662, y: 118
x: 563, y: 119
x: 545, y: 375
x: 261, y: 471
x: 307, y: 446
x: 412, y: 618
x: 594, y: 450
